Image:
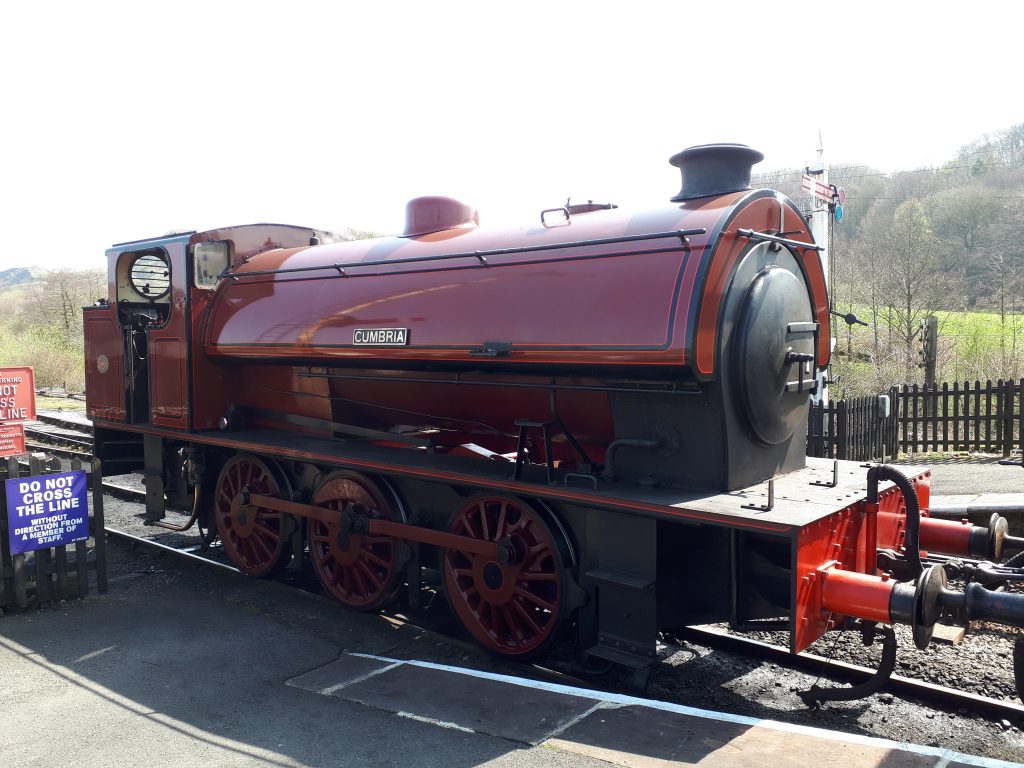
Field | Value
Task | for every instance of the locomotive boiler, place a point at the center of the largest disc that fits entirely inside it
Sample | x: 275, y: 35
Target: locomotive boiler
x: 596, y: 423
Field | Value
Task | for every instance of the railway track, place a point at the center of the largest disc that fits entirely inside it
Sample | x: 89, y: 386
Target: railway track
x: 950, y: 698
x: 943, y: 697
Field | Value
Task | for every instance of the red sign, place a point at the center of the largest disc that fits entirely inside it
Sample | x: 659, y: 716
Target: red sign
x: 821, y: 191
x: 17, y: 394
x: 12, y: 439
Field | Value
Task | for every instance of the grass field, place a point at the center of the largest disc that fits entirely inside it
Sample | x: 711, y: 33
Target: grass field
x: 972, y: 346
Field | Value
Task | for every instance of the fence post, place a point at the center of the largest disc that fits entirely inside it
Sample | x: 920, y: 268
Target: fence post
x: 37, y: 466
x: 99, y: 526
x: 1006, y: 412
x: 891, y: 437
x: 6, y: 563
x: 841, y: 430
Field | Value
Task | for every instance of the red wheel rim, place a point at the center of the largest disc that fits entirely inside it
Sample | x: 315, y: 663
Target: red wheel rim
x: 357, y: 569
x: 254, y: 540
x: 514, y: 609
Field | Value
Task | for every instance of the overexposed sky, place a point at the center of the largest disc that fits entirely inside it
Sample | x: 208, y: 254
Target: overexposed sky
x: 122, y: 120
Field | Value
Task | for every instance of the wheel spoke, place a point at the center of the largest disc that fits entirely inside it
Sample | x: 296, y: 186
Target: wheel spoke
x: 535, y: 599
x: 514, y: 632
x: 484, y: 530
x: 535, y: 553
x: 358, y: 580
x: 369, y: 574
x: 319, y: 538
x: 257, y: 541
x: 500, y: 528
x: 373, y: 557
x: 526, y: 617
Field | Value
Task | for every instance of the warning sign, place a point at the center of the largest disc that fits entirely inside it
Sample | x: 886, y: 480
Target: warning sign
x: 12, y: 439
x: 47, y: 511
x: 17, y: 394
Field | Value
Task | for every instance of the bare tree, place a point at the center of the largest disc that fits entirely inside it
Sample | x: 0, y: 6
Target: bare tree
x: 59, y: 298
x: 915, y: 281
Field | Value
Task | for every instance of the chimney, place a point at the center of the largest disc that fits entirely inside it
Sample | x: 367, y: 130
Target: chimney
x: 714, y: 169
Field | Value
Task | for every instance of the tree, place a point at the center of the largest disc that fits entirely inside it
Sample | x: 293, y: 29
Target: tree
x: 59, y: 298
x: 44, y: 327
x: 915, y: 281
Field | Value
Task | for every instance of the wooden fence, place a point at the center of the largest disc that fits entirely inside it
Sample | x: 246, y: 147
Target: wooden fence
x: 852, y: 429
x: 980, y: 417
x: 47, y: 575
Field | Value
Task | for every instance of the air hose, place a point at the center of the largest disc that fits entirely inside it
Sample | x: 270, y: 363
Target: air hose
x: 1016, y: 561
x: 912, y: 547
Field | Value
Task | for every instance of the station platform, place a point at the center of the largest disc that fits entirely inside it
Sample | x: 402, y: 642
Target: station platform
x: 183, y: 666
x: 619, y: 730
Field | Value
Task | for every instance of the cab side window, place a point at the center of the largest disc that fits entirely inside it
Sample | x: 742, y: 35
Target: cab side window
x: 210, y: 261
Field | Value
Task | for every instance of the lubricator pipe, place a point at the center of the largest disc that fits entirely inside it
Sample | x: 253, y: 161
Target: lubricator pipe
x: 880, y: 472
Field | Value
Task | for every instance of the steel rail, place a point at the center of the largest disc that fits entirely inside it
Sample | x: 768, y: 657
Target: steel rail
x: 59, y: 438
x: 188, y: 554
x: 64, y: 453
x: 56, y: 420
x: 951, y: 697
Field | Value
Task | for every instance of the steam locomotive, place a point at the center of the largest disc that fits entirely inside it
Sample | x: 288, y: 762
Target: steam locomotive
x: 596, y: 422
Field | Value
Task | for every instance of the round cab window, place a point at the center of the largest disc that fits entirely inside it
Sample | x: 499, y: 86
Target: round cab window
x: 150, y: 276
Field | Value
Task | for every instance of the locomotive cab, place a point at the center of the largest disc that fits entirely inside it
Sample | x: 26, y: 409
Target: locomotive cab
x: 140, y: 368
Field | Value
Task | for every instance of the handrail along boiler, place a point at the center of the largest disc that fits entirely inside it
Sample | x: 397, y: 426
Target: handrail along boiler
x: 595, y: 422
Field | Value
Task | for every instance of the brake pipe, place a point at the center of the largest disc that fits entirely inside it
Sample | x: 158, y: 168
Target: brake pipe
x: 912, y: 545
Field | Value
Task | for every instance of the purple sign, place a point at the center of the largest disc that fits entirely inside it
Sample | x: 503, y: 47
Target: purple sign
x: 47, y: 511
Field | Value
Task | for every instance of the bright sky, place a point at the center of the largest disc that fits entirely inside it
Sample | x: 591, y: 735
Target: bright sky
x: 120, y: 121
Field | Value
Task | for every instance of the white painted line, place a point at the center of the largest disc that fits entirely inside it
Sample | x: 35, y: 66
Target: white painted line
x: 329, y: 690
x: 945, y: 755
x: 432, y: 721
x: 565, y: 726
x: 334, y: 688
